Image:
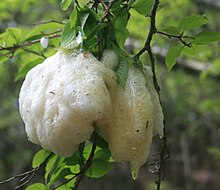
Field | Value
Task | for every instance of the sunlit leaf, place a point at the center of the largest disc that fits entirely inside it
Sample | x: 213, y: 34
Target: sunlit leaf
x: 143, y: 6
x: 40, y: 157
x: 65, y: 4
x: 172, y: 55
x: 193, y: 21
x: 43, y: 29
x: 16, y: 33
x: 173, y: 30
x: 206, y: 37
x: 49, y: 166
x: 74, y: 18
x: 68, y: 36
x: 36, y: 186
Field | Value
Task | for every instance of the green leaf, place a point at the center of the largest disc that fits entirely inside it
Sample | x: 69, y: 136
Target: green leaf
x: 26, y: 67
x: 99, y: 168
x: 120, y: 31
x: 42, y: 29
x: 16, y: 33
x: 40, y: 157
x: 172, y: 30
x: 36, y: 186
x: 206, y: 37
x: 172, y: 55
x: 103, y: 154
x: 65, y: 4
x: 74, y: 18
x: 83, y: 17
x: 68, y: 36
x: 95, y: 31
x: 49, y: 166
x: 192, y: 22
x: 143, y: 6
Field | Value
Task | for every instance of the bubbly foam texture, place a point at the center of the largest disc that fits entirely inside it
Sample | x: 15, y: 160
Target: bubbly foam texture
x: 61, y: 98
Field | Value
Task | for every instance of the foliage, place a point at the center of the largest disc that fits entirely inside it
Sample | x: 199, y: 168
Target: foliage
x: 95, y: 26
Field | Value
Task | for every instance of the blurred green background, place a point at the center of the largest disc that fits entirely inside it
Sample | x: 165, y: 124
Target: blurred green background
x: 190, y: 96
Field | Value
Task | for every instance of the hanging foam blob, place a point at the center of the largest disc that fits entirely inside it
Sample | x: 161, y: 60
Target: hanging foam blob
x: 61, y: 98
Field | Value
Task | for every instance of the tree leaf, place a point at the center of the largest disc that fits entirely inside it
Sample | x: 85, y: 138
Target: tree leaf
x: 120, y: 31
x: 16, y: 33
x: 172, y: 30
x: 42, y: 29
x: 40, y: 157
x: 65, y: 4
x: 143, y: 6
x: 67, y: 37
x: 206, y: 37
x: 172, y: 55
x: 36, y: 186
x: 49, y: 166
x: 99, y: 168
x: 23, y: 70
x: 74, y: 18
x: 193, y: 21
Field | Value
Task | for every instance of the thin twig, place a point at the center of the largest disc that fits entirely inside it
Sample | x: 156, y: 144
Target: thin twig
x: 46, y: 22
x: 164, y: 153
x: 14, y: 48
x: 179, y: 37
x: 22, y: 175
x: 147, y: 45
x: 25, y: 177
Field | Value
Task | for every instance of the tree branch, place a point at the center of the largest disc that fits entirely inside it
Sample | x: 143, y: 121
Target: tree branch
x: 14, y: 48
x: 164, y: 153
x: 25, y: 177
x: 147, y: 45
x: 179, y: 37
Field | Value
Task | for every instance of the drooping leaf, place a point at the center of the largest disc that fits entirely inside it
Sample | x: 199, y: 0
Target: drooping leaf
x: 206, y: 37
x: 173, y: 53
x: 193, y: 21
x: 65, y: 4
x: 143, y: 6
x: 36, y: 186
x: 40, y: 157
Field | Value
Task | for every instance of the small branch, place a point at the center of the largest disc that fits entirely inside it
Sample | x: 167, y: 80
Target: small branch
x: 14, y: 48
x: 179, y: 37
x: 164, y: 153
x: 22, y: 175
x: 46, y: 22
x: 25, y: 177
